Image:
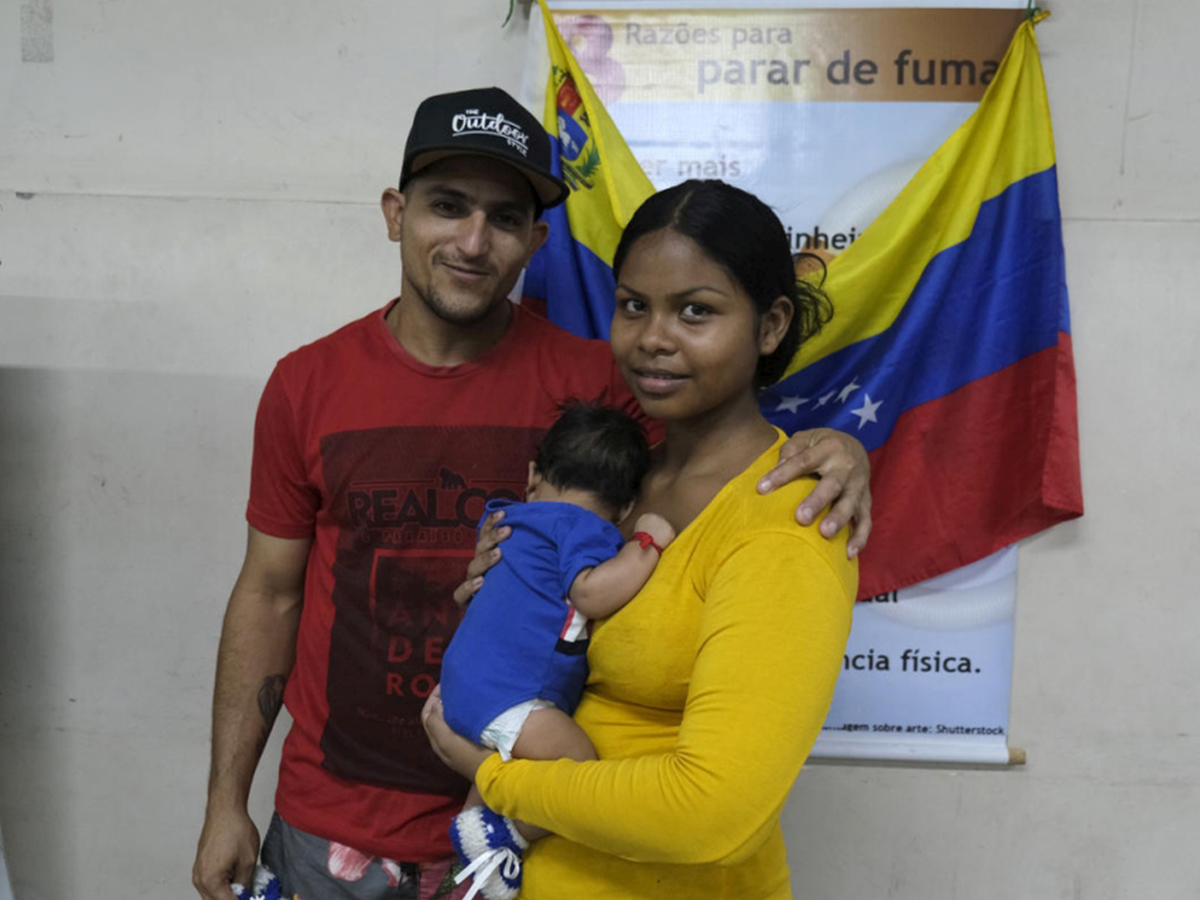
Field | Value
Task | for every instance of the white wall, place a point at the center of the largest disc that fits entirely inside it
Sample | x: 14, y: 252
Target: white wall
x: 187, y: 191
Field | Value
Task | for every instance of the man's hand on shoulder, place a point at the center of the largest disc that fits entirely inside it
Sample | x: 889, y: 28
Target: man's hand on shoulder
x: 227, y: 853
x: 840, y: 462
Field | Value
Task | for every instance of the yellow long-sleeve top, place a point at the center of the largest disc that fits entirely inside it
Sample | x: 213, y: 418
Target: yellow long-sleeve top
x: 706, y: 694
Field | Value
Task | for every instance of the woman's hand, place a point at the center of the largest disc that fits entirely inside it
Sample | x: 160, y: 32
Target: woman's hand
x: 460, y: 754
x: 840, y: 461
x: 487, y: 554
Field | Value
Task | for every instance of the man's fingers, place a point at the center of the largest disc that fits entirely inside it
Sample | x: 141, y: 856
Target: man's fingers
x: 838, y: 517
x: 827, y: 490
x: 852, y: 508
x: 217, y: 887
x: 202, y: 888
x: 787, y: 470
x: 843, y: 485
x: 243, y: 875
x: 227, y: 851
x: 862, y: 523
x: 858, y: 540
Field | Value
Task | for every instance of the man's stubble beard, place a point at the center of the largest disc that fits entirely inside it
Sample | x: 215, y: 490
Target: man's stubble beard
x: 430, y: 296
x: 436, y: 304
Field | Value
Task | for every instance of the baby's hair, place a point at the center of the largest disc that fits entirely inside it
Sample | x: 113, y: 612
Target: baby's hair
x: 598, y: 449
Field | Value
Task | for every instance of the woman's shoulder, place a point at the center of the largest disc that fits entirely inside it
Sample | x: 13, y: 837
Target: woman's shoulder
x: 741, y: 503
x: 740, y: 514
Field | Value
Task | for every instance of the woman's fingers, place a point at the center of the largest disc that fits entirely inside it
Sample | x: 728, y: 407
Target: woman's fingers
x: 487, y: 554
x: 492, y: 532
x: 467, y: 590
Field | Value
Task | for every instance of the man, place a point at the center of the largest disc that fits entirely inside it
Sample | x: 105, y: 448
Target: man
x: 375, y: 451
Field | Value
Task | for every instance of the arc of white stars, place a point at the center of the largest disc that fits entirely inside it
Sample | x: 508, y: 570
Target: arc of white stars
x: 791, y: 404
x: 849, y: 389
x: 866, y: 412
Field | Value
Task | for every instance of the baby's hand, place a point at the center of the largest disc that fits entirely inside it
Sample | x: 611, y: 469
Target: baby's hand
x: 655, y: 526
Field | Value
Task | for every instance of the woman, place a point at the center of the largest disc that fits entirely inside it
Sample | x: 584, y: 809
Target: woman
x: 709, y: 688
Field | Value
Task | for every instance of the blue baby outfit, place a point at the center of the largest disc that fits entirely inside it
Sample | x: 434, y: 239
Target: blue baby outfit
x: 521, y: 639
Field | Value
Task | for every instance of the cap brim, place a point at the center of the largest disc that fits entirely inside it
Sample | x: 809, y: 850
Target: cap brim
x: 550, y: 191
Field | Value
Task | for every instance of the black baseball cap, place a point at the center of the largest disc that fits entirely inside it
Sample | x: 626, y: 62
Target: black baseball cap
x: 483, y: 122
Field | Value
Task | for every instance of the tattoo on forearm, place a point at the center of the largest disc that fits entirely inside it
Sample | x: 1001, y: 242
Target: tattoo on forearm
x: 270, y: 698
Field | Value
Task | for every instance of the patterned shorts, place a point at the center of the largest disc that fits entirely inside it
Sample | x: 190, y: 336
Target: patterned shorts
x: 313, y: 868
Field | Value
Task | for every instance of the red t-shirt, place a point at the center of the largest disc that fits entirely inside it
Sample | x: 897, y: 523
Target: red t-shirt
x: 387, y: 463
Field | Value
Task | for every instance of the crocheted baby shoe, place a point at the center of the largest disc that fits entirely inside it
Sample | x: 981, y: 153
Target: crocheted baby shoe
x: 490, y: 848
x: 265, y: 887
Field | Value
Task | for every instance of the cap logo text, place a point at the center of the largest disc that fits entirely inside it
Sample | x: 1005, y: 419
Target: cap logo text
x: 472, y: 121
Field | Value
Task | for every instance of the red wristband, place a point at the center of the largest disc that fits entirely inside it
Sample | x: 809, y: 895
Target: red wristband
x: 646, y: 541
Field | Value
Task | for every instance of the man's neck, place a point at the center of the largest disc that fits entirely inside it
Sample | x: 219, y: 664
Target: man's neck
x: 436, y: 342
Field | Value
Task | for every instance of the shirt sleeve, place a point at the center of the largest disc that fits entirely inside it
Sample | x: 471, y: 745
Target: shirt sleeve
x: 283, y: 501
x: 588, y: 541
x: 772, y: 636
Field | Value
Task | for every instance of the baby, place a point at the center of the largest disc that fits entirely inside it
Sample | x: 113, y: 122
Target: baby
x: 517, y: 665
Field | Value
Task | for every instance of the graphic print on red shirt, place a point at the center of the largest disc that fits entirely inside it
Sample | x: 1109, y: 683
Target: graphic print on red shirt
x: 402, y: 547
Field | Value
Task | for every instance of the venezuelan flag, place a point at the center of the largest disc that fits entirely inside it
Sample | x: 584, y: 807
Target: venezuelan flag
x: 572, y: 274
x: 949, y: 354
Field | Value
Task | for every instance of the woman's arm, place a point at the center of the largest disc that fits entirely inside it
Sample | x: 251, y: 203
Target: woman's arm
x: 772, y: 637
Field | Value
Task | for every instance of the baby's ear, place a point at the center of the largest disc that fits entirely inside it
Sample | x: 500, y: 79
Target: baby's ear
x: 535, y: 479
x: 624, y: 512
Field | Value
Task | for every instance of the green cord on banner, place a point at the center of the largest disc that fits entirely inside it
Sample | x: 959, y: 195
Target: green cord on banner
x: 1031, y: 10
x: 512, y: 5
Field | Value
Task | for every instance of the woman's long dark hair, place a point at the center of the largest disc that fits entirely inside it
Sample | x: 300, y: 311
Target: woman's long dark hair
x: 741, y: 234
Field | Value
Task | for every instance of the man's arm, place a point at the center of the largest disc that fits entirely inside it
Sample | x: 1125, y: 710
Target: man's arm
x: 602, y: 589
x: 840, y: 463
x: 258, y: 648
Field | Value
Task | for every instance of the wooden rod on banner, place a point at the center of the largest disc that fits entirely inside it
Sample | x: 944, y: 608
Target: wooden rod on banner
x: 858, y: 753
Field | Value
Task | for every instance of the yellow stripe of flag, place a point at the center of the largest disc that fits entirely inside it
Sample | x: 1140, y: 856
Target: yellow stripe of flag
x: 1006, y: 139
x: 597, y: 214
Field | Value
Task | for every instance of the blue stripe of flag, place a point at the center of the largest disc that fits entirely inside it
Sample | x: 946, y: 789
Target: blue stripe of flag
x: 577, y: 285
x: 979, y: 306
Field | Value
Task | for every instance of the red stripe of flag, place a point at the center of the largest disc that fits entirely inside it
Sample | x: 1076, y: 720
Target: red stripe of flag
x: 1010, y: 435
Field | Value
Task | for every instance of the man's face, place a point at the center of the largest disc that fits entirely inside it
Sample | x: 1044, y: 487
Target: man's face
x: 466, y: 229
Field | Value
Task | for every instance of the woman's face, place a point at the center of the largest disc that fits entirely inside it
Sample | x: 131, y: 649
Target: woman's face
x: 685, y: 334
